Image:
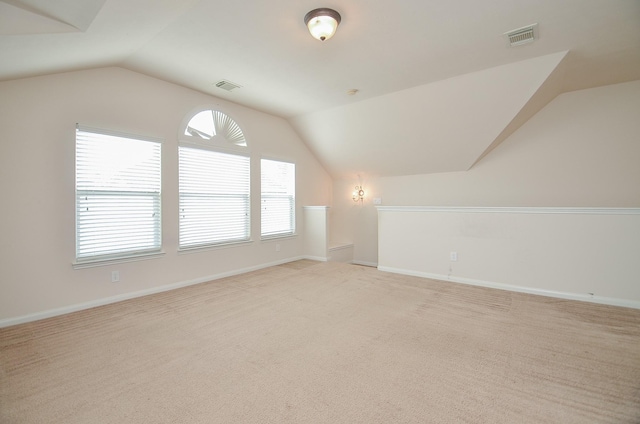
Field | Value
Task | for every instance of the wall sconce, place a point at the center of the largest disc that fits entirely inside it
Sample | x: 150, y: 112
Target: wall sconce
x: 358, y: 194
x: 322, y: 23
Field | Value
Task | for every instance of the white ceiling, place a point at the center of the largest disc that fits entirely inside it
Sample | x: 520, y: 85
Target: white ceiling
x: 399, y: 55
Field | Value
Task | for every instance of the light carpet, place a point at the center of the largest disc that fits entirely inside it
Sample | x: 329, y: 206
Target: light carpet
x: 311, y: 342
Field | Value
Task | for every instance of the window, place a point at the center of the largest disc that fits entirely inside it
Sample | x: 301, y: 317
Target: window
x: 214, y: 186
x: 278, y: 203
x: 214, y: 197
x: 117, y: 195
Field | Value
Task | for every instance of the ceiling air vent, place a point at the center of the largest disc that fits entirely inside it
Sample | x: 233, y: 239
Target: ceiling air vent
x: 523, y: 35
x: 227, y: 85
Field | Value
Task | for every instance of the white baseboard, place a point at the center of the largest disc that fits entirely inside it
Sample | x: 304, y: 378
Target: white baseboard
x: 315, y: 258
x: 341, y: 246
x: 126, y: 296
x: 365, y: 263
x: 530, y: 290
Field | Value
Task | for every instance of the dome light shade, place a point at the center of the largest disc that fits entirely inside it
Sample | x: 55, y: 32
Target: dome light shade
x: 322, y: 23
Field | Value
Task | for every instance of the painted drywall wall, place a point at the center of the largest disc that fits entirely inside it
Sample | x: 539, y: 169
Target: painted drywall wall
x: 578, y: 253
x: 581, y: 150
x: 316, y: 230
x: 38, y: 117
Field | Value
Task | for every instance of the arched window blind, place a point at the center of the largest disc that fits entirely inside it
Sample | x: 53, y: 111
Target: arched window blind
x: 278, y: 201
x: 117, y: 195
x: 213, y: 124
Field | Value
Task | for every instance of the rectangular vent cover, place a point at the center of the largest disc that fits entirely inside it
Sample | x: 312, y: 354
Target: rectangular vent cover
x: 522, y: 35
x: 227, y: 85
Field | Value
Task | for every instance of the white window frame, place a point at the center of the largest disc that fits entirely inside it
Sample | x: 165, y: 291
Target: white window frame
x: 118, y: 202
x: 277, y: 198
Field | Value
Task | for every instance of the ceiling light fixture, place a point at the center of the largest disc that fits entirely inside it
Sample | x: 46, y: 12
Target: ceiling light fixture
x: 322, y: 23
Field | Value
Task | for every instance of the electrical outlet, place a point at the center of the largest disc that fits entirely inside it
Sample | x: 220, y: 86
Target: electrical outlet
x: 453, y: 256
x: 377, y: 201
x: 115, y: 276
x: 277, y: 247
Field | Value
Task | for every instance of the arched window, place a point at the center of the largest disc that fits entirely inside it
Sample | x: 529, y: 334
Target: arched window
x: 214, y: 184
x: 212, y: 124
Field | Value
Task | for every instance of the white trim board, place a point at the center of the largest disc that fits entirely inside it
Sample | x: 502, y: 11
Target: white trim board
x: 529, y: 210
x: 316, y: 208
x: 519, y: 289
x: 365, y: 263
x: 315, y: 258
x: 341, y: 246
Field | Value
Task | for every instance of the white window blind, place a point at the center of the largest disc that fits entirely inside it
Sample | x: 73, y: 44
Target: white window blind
x: 117, y: 195
x: 278, y: 204
x: 214, y: 197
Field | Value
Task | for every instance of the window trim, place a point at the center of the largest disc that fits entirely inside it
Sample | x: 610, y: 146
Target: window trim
x: 217, y: 246
x: 130, y: 256
x: 104, y: 261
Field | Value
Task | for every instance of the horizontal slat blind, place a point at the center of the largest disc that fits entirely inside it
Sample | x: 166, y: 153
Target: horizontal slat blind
x: 214, y: 197
x: 118, y: 184
x: 277, y: 198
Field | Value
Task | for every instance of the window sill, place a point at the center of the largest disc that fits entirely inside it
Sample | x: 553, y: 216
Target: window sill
x: 279, y: 237
x: 92, y: 263
x: 186, y: 250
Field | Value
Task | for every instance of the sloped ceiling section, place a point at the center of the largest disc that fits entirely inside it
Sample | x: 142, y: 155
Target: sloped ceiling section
x: 50, y: 36
x: 444, y: 126
x: 20, y: 17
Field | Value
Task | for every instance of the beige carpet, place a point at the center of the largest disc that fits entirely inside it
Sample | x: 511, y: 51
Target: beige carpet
x: 315, y: 342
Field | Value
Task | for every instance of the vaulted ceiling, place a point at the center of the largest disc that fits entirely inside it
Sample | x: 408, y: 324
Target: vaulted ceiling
x: 438, y: 86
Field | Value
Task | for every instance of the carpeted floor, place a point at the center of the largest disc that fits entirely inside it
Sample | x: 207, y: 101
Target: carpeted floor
x: 311, y: 342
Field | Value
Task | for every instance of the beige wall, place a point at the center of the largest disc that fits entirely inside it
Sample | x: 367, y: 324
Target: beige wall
x: 316, y: 229
x: 577, y: 253
x: 37, y: 123
x: 581, y: 150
